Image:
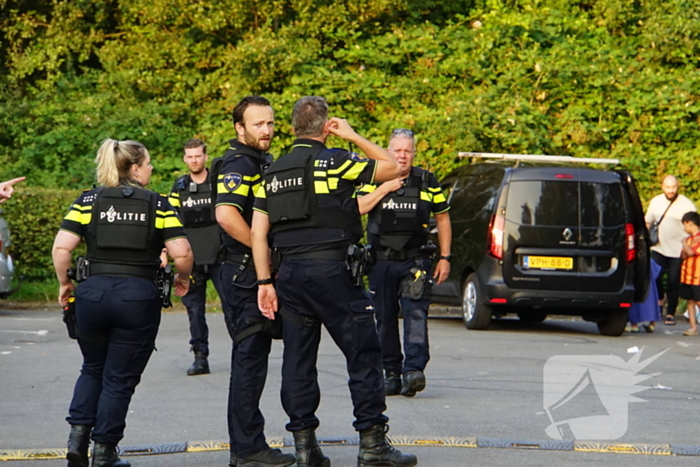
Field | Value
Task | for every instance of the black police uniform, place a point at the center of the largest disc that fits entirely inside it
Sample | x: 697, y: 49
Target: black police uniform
x: 195, y: 206
x: 238, y: 177
x: 313, y: 281
x: 398, y: 232
x: 118, y: 306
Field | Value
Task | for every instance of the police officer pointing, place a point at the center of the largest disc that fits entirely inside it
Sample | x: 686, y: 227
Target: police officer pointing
x: 308, y: 203
x: 117, y: 309
x: 239, y: 173
x: 192, y: 195
x: 399, y: 213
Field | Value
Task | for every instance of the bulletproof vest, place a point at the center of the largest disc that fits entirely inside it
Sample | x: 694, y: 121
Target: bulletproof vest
x: 196, y: 203
x: 199, y: 219
x: 401, y: 214
x: 123, y: 227
x: 292, y: 202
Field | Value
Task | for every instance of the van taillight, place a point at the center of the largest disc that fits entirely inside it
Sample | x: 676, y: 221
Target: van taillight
x: 631, y: 250
x: 564, y: 176
x: 496, y: 236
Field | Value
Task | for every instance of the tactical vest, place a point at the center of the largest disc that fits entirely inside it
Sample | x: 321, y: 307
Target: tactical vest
x: 122, y: 227
x: 196, y: 207
x: 292, y: 202
x: 199, y: 219
x: 401, y: 214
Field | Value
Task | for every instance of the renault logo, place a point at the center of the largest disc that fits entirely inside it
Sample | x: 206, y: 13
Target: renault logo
x: 567, y: 234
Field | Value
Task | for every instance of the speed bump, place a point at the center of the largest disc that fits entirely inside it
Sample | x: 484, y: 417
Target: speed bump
x: 439, y: 442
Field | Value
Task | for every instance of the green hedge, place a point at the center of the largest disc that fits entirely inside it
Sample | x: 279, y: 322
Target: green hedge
x: 34, y: 216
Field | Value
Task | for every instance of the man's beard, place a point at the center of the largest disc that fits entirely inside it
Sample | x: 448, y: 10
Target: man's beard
x: 198, y: 171
x: 261, y: 145
x: 673, y: 197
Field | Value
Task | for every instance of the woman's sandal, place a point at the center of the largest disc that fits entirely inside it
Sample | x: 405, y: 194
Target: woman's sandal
x: 670, y: 320
x: 691, y: 332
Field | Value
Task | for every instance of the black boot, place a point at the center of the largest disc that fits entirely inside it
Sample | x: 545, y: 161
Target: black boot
x: 233, y: 462
x: 78, y: 445
x: 105, y: 455
x: 200, y: 365
x: 375, y: 450
x: 308, y: 453
x: 268, y: 457
x: 413, y: 382
x: 392, y: 383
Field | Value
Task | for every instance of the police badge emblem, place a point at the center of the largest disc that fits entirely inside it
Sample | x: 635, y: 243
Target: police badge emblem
x: 232, y: 181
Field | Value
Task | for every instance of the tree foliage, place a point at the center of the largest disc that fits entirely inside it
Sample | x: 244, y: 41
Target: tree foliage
x: 589, y: 78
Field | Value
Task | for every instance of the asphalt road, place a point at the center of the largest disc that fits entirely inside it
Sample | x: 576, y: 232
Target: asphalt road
x: 483, y: 386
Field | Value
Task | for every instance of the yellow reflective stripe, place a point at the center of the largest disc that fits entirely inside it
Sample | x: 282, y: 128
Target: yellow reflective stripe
x: 439, y: 198
x: 340, y: 169
x: 251, y: 178
x: 260, y: 192
x: 174, y: 201
x: 425, y: 196
x: 321, y: 187
x: 171, y: 221
x: 435, y: 189
x: 302, y: 146
x: 354, y: 171
x: 74, y: 215
x: 320, y: 173
x: 367, y: 188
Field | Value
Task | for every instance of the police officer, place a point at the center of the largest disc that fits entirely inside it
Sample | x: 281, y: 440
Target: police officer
x: 308, y: 203
x: 239, y: 173
x: 191, y: 195
x: 399, y: 213
x: 118, y: 307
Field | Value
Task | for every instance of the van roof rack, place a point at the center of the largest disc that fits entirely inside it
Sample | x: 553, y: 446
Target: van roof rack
x: 538, y: 157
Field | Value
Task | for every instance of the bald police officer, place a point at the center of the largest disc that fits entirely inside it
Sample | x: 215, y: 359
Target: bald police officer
x: 308, y: 203
x: 399, y: 213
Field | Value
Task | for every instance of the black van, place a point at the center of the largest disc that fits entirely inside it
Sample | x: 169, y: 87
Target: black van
x: 539, y: 238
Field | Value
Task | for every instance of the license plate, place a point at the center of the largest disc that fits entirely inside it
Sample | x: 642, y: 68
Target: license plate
x: 547, y: 262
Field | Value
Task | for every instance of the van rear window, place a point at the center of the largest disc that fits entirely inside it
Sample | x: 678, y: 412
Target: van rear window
x: 555, y: 203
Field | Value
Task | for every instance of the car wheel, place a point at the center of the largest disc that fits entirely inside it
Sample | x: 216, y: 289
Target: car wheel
x: 475, y: 314
x: 535, y: 316
x: 614, y: 324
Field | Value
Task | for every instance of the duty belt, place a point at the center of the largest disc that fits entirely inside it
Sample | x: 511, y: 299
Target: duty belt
x: 111, y: 269
x: 334, y: 254
x: 234, y: 258
x: 392, y: 255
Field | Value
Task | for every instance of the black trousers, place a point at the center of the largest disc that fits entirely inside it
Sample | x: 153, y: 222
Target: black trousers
x: 672, y: 267
x: 249, y: 360
x: 119, y: 318
x: 385, y: 283
x: 196, y: 300
x: 323, y: 290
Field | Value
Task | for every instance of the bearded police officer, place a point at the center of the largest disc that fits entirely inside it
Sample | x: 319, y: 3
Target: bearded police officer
x: 239, y: 173
x: 309, y: 204
x: 117, y: 308
x: 191, y: 195
x: 399, y: 213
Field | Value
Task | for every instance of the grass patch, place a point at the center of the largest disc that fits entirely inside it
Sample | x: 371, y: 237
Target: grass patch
x: 46, y: 290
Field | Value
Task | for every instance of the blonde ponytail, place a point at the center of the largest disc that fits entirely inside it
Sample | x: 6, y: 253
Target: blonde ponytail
x: 114, y: 160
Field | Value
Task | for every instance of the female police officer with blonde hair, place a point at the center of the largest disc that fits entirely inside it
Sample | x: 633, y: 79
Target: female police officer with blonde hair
x: 118, y: 306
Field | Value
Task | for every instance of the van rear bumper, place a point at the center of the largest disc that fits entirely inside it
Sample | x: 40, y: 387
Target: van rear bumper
x: 494, y: 287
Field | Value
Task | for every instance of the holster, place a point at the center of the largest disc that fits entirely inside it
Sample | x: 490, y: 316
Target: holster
x: 164, y: 282
x: 69, y: 317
